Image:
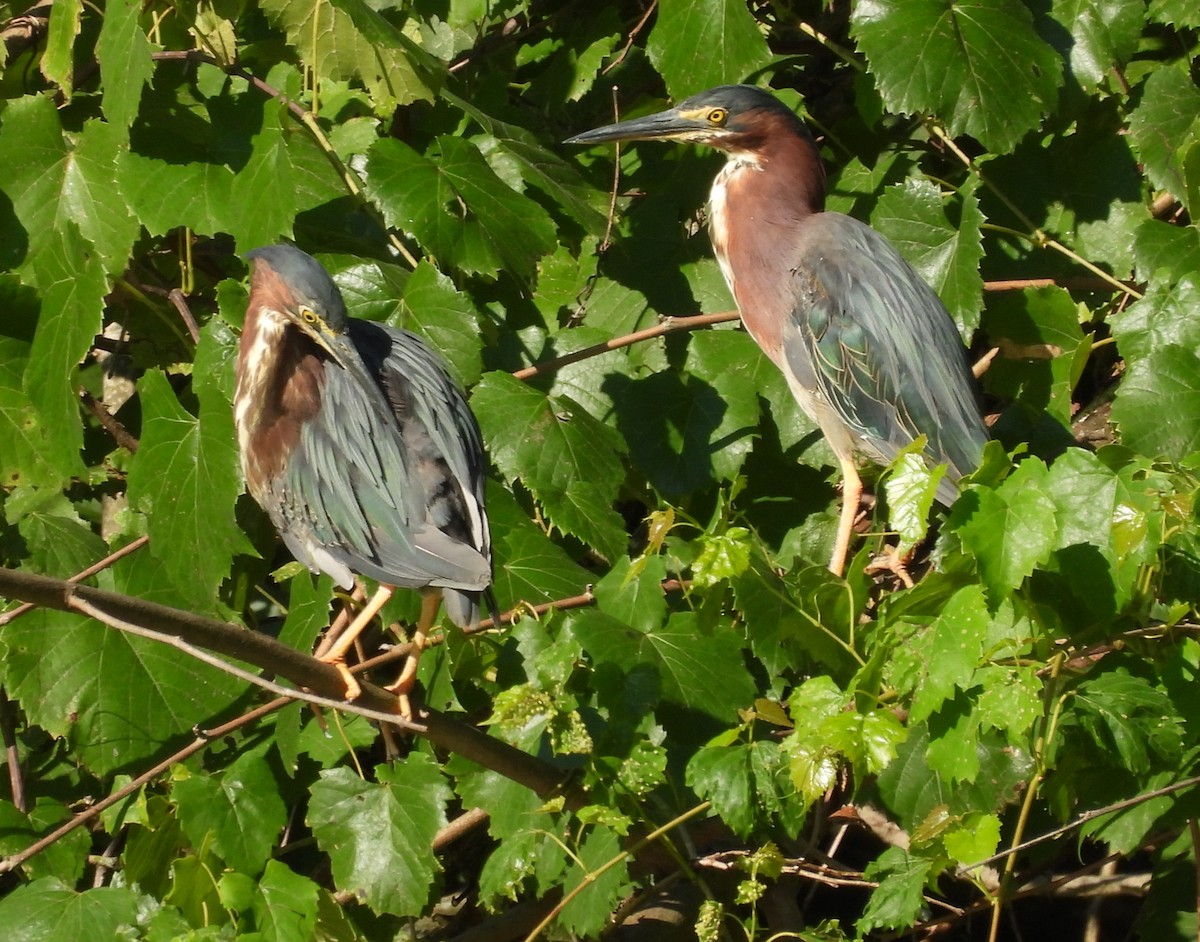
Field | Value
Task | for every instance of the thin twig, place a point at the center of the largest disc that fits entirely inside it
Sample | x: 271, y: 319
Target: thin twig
x: 12, y: 756
x: 114, y: 428
x: 629, y: 40
x: 1085, y: 817
x: 93, y: 811
x: 463, y: 824
x: 176, y: 297
x: 665, y: 326
x: 11, y: 616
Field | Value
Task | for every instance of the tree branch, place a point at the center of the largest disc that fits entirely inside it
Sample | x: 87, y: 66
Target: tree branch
x: 303, y: 670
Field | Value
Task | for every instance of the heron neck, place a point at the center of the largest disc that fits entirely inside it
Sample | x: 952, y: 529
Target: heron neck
x: 758, y: 203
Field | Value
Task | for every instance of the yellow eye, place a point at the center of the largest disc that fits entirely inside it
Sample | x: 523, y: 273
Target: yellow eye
x: 718, y: 116
x: 308, y: 315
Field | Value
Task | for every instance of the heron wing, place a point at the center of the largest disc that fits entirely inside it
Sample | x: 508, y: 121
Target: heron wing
x: 374, y: 482
x: 870, y: 338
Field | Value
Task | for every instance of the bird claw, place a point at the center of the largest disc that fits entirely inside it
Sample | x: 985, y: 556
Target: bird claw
x: 353, y: 687
x: 893, y: 561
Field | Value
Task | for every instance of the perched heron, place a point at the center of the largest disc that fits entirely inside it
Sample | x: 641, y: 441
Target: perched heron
x: 361, y: 449
x: 869, y: 351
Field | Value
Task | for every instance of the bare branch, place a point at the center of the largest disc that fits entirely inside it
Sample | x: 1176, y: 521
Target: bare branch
x: 666, y: 326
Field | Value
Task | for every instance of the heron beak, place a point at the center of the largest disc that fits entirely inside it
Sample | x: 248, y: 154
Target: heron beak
x: 666, y: 125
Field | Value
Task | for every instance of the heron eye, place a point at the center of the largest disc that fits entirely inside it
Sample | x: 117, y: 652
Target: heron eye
x: 717, y: 116
x: 309, y: 316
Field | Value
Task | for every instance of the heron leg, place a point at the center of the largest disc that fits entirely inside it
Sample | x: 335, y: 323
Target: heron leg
x: 357, y: 596
x: 430, y: 600
x: 852, y: 488
x: 336, y: 655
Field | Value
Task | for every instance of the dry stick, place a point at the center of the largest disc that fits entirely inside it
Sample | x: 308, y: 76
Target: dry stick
x: 176, y: 297
x: 303, y: 670
x: 665, y: 326
x: 114, y: 428
x: 93, y: 811
x: 14, y: 614
x: 1084, y: 818
x: 12, y: 757
x: 632, y: 36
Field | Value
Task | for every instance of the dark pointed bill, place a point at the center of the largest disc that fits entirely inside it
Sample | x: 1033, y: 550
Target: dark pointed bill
x: 665, y: 124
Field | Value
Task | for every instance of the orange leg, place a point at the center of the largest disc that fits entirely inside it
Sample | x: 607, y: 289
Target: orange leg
x: 336, y: 655
x: 357, y: 597
x: 852, y: 488
x: 430, y: 600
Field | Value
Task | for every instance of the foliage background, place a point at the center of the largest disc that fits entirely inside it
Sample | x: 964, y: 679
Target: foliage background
x: 1038, y: 163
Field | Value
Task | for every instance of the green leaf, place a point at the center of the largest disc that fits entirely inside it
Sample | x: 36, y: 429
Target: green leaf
x: 911, y: 486
x: 1103, y: 36
x: 979, y: 65
x: 238, y: 811
x: 58, y: 542
x: 724, y: 556
x: 955, y: 647
x: 567, y: 460
x: 71, y: 279
x: 46, y: 909
x: 348, y: 39
x: 148, y: 694
x: 1158, y: 404
x: 52, y: 184
x: 285, y: 905
x: 125, y: 65
x: 1131, y: 715
x: 899, y: 898
x: 745, y: 782
x: 378, y: 834
x: 1043, y: 351
x: 262, y: 196
x: 635, y: 598
x: 696, y: 44
x: 945, y: 252
x: 453, y: 203
x: 58, y: 60
x: 538, y: 166
x: 186, y: 479
x: 1009, y: 530
x: 434, y: 308
x: 64, y: 859
x: 700, y: 670
x: 1164, y: 124
x: 973, y: 841
x: 590, y: 910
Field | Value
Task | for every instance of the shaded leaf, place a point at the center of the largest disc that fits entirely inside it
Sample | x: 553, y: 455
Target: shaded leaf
x: 457, y: 208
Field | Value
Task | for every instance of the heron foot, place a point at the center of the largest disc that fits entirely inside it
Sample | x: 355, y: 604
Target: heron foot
x: 353, y: 687
x: 893, y: 561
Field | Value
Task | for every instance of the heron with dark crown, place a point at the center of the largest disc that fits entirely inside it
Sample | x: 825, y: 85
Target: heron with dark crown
x: 361, y: 449
x: 868, y: 350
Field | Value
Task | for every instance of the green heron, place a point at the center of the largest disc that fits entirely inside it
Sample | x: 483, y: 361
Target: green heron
x: 869, y: 351
x: 361, y: 449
